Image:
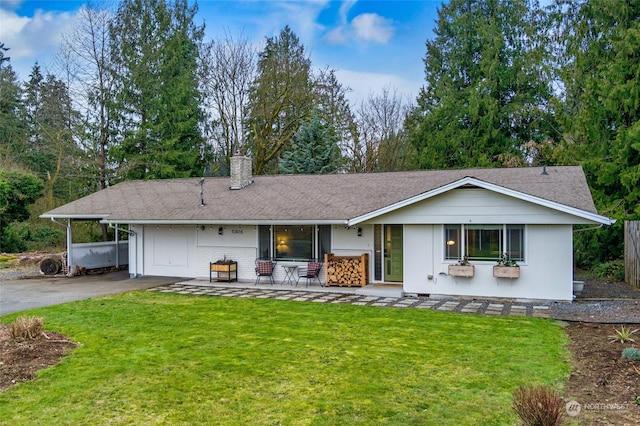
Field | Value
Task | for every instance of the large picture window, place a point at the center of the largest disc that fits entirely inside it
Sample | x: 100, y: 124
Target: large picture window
x: 294, y: 242
x: 484, y: 242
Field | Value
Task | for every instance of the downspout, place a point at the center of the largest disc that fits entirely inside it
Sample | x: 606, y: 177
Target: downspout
x: 593, y: 228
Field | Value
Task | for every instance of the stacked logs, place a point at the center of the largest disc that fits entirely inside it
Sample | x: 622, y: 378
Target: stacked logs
x: 347, y: 271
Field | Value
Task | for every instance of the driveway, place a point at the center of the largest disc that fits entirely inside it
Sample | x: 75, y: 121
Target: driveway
x: 22, y: 294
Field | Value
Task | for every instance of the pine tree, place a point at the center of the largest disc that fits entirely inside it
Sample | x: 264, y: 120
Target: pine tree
x: 486, y: 91
x: 154, y: 50
x: 599, y: 47
x: 314, y: 149
x: 13, y: 132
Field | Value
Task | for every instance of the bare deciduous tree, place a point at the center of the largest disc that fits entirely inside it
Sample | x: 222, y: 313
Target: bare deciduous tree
x: 381, y: 144
x: 84, y: 56
x: 228, y: 69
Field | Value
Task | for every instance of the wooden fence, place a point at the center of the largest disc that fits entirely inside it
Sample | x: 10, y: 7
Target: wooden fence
x: 632, y: 253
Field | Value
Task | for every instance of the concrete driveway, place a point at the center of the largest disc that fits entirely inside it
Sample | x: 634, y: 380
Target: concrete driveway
x: 22, y: 294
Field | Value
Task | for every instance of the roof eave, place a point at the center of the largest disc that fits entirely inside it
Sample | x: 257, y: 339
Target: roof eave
x: 594, y: 217
x: 75, y: 216
x: 224, y: 222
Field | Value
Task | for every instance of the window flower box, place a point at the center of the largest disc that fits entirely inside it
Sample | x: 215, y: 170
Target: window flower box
x: 511, y: 272
x: 465, y: 271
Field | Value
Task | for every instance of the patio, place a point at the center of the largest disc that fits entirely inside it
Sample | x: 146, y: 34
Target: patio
x: 371, y: 295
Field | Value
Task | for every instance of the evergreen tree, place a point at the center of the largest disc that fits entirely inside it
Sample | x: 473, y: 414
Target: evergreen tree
x: 12, y: 126
x: 486, y: 91
x: 154, y: 50
x: 314, y: 149
x: 51, y: 152
x: 18, y: 190
x: 599, y: 43
x: 281, y: 98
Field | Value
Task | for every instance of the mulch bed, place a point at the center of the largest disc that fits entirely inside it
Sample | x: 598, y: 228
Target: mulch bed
x: 19, y: 360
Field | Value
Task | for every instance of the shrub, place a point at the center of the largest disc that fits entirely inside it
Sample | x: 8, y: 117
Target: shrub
x: 26, y: 328
x: 612, y: 270
x: 623, y: 335
x: 10, y: 240
x: 538, y: 406
x: 45, y: 238
x: 631, y: 353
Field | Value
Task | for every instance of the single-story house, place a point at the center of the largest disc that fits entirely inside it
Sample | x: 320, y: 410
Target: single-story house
x: 414, y: 226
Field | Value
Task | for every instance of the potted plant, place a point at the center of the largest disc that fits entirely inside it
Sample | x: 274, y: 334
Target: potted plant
x: 506, y: 268
x: 462, y: 269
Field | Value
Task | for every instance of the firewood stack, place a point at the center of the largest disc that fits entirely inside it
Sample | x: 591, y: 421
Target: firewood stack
x: 347, y: 271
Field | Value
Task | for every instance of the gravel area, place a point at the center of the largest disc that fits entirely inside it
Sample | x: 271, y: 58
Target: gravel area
x: 602, y: 302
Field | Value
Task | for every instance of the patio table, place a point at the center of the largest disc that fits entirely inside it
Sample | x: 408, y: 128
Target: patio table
x: 289, y: 274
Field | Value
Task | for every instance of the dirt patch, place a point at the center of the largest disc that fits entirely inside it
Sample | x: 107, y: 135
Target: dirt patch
x: 19, y: 361
x: 604, y: 384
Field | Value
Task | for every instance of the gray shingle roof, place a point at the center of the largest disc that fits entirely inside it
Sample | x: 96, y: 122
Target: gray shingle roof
x: 328, y: 198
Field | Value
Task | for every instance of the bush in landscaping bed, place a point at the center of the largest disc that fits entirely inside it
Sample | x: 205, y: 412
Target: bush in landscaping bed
x: 631, y: 353
x: 538, y: 406
x: 26, y: 328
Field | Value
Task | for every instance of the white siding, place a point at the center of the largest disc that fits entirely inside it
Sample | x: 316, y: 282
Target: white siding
x: 546, y: 274
x: 185, y: 251
x: 238, y: 243
x: 472, y: 205
x: 346, y: 242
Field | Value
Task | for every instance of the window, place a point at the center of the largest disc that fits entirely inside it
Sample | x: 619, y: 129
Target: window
x: 294, y: 242
x: 484, y: 242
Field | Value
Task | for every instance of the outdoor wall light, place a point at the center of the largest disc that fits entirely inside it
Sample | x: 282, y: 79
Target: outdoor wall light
x: 451, y: 243
x: 359, y: 232
x: 220, y: 230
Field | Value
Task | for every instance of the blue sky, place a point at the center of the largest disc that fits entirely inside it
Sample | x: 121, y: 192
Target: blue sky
x: 371, y: 44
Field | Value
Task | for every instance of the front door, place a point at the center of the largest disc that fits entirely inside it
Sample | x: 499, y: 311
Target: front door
x: 393, y: 258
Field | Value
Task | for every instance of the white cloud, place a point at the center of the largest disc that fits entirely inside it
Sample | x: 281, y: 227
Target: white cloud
x: 368, y: 27
x: 339, y: 35
x: 32, y: 39
x: 364, y: 84
x: 372, y: 27
x: 345, y: 7
x: 302, y: 17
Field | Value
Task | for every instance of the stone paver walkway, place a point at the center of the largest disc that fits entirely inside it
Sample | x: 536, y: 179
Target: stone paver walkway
x: 502, y: 308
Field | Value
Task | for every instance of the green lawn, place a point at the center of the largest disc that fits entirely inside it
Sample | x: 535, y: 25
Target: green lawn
x: 155, y: 358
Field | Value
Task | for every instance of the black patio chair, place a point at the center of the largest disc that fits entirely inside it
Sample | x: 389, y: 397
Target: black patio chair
x: 264, y: 268
x: 311, y: 272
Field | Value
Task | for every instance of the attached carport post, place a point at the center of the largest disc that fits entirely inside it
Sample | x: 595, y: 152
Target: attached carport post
x: 69, y: 239
x: 69, y: 244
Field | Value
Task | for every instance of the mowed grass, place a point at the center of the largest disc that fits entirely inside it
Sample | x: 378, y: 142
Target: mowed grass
x: 154, y: 358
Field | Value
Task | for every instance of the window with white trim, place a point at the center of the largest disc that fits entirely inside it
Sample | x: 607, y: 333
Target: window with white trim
x: 484, y: 242
x: 294, y: 242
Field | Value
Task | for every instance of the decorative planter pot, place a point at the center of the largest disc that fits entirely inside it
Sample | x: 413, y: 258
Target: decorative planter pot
x: 506, y: 272
x: 461, y: 271
x: 225, y: 271
x: 223, y: 267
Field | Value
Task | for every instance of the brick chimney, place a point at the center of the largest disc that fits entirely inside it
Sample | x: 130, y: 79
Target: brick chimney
x: 240, y: 171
